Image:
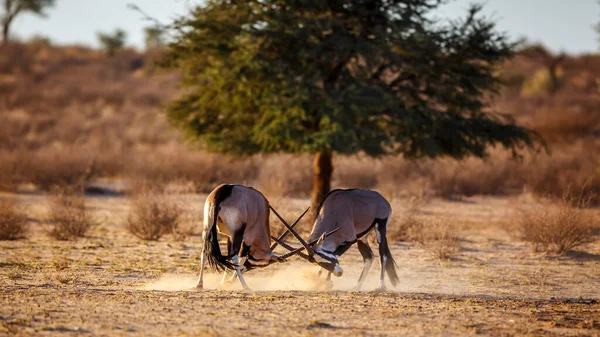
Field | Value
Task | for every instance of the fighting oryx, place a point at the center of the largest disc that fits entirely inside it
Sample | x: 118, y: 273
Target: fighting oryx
x: 242, y: 214
x: 354, y: 213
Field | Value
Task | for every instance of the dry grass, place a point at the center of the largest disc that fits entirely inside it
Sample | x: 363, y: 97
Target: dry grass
x: 68, y: 218
x: 438, y: 237
x: 13, y: 221
x: 405, y: 225
x: 52, y: 170
x: 285, y: 175
x: 153, y: 215
x: 557, y: 226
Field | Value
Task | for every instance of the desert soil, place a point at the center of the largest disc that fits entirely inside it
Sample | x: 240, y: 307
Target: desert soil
x: 112, y: 284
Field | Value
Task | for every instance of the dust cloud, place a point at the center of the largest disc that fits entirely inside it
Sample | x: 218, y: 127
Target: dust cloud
x: 297, y: 276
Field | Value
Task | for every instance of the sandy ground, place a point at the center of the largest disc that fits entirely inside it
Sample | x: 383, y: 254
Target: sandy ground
x: 111, y: 283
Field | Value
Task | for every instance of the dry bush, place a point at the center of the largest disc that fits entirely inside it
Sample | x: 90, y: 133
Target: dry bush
x: 438, y: 237
x: 177, y: 163
x: 570, y: 172
x: 557, y: 226
x: 285, y: 175
x: 355, y: 172
x: 452, y: 179
x: 449, y: 178
x: 13, y: 221
x: 405, y: 225
x: 290, y: 211
x: 59, y: 170
x: 152, y: 215
x: 9, y: 166
x: 68, y: 217
x: 565, y: 118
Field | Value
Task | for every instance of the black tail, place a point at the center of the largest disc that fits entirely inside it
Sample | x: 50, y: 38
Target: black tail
x: 214, y: 256
x: 390, y: 264
x: 384, y: 251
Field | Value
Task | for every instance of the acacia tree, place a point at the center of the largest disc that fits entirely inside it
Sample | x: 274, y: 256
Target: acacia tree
x: 12, y: 8
x: 339, y: 76
x: 111, y: 42
x: 154, y: 37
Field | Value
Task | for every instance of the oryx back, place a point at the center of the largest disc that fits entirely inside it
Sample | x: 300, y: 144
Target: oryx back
x: 352, y: 211
x: 236, y: 210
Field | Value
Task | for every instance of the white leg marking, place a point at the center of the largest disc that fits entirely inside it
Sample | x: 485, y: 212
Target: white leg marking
x: 224, y: 278
x: 200, y: 283
x: 236, y: 261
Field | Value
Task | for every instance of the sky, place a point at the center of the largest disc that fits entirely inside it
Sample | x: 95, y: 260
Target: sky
x: 561, y: 25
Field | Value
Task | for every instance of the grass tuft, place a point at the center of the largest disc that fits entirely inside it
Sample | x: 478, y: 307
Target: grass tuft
x: 558, y: 225
x: 13, y: 221
x: 68, y: 218
x: 152, y: 216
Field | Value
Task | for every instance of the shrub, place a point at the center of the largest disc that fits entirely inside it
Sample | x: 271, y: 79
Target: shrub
x: 112, y: 42
x: 438, y: 237
x: 538, y: 84
x: 13, y: 221
x: 153, y: 216
x: 285, y: 175
x: 68, y: 218
x: 355, y: 172
x: 556, y: 226
x: 406, y: 225
x: 62, y: 170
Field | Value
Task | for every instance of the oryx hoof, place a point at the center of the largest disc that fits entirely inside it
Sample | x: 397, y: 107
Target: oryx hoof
x: 199, y: 285
x: 355, y: 289
x: 380, y: 290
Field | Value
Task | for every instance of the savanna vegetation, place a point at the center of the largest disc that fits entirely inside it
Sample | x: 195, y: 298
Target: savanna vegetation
x: 101, y: 197
x: 72, y: 116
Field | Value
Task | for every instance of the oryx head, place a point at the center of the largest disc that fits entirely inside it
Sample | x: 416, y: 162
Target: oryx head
x: 324, y: 259
x: 327, y: 261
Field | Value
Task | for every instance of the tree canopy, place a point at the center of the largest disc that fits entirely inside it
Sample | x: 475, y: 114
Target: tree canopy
x: 337, y: 76
x: 341, y: 76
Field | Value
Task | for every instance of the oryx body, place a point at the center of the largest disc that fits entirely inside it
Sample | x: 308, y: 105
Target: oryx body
x: 242, y: 214
x: 356, y: 213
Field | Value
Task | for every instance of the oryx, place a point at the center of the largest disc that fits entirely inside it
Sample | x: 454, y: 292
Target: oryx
x: 242, y: 214
x: 354, y: 213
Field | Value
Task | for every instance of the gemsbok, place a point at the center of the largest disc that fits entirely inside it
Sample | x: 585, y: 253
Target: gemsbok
x: 242, y: 214
x: 352, y: 214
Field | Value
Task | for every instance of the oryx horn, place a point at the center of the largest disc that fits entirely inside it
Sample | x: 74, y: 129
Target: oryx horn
x: 299, y: 250
x: 298, y: 237
x: 286, y: 232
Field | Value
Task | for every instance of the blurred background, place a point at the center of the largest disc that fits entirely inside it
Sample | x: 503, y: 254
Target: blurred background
x: 81, y: 104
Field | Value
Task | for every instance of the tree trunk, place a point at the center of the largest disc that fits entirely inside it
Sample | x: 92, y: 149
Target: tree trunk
x: 6, y: 21
x: 5, y: 28
x: 322, y: 169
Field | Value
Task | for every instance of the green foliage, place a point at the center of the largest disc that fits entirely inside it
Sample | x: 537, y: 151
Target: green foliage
x: 112, y: 42
x: 154, y: 37
x: 340, y: 76
x: 32, y: 6
x: 9, y: 9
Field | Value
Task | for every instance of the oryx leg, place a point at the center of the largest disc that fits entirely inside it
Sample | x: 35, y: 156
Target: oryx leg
x: 224, y: 279
x: 200, y: 283
x: 385, y: 257
x: 367, y: 254
x: 322, y: 270
x: 236, y: 246
x: 232, y: 278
